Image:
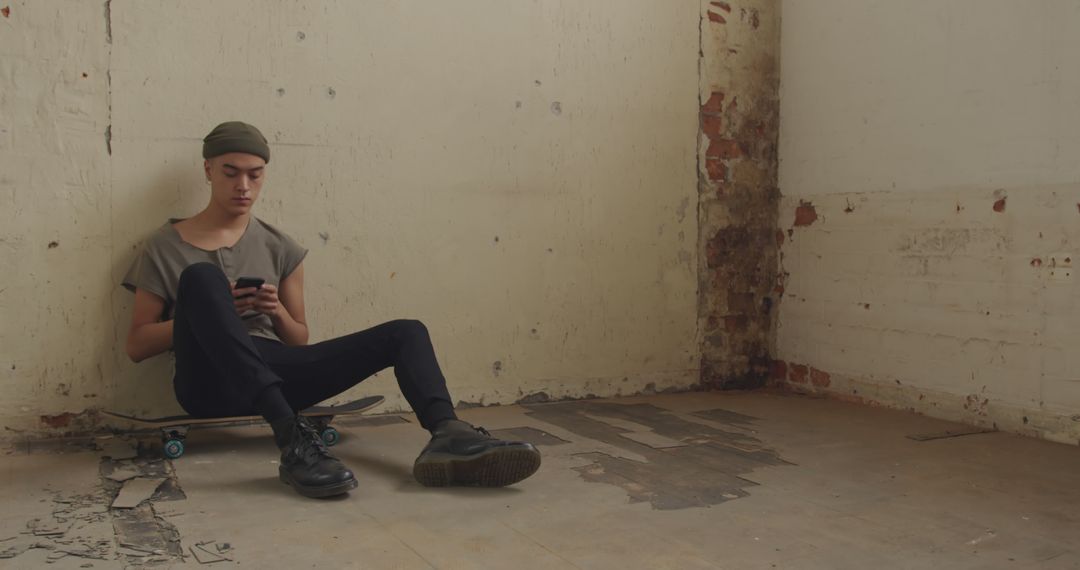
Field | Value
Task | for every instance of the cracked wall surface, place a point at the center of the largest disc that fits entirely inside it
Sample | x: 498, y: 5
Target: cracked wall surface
x: 737, y: 184
x: 520, y: 176
x: 931, y: 184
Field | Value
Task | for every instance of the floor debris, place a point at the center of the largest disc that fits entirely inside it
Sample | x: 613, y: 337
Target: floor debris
x: 16, y: 549
x: 143, y: 534
x: 142, y: 530
x: 74, y: 530
x: 116, y: 447
x: 129, y: 551
x: 136, y: 491
x: 40, y: 528
x: 989, y: 534
x: 210, y: 551
x: 124, y: 473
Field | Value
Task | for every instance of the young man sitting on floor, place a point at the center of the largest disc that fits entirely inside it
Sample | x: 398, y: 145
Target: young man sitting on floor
x: 244, y: 350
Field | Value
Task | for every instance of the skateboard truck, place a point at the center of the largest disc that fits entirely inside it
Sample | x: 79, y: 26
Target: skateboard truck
x: 172, y: 441
x: 329, y: 435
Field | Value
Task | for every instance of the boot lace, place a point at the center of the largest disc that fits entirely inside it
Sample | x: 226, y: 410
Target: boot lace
x: 312, y: 443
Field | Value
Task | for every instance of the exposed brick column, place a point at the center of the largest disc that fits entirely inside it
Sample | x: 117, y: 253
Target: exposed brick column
x: 738, y: 195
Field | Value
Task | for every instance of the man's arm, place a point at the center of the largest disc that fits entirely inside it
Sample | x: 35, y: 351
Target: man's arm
x: 148, y: 336
x: 285, y: 306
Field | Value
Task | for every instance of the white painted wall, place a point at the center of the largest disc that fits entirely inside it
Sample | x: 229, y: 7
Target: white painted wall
x: 518, y: 174
x: 902, y: 124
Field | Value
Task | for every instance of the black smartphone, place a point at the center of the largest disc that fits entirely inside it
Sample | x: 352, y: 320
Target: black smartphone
x: 246, y: 282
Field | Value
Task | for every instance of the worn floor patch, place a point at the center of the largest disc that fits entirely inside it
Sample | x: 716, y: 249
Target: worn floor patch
x: 82, y: 526
x: 688, y: 464
x: 528, y: 435
x: 135, y: 491
x: 141, y: 534
x: 726, y: 417
x: 77, y: 526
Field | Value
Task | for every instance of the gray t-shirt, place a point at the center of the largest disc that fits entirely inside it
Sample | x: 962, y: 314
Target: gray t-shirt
x: 263, y: 251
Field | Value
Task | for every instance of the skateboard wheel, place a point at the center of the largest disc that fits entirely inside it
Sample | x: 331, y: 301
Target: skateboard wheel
x: 330, y: 436
x: 173, y: 448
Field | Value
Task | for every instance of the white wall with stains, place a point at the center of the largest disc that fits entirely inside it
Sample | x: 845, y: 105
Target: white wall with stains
x: 520, y: 175
x: 930, y: 168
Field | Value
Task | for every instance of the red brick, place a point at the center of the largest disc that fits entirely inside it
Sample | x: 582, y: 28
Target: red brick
x: 778, y: 370
x: 819, y: 378
x: 59, y: 420
x: 716, y: 170
x: 798, y: 373
x: 714, y: 17
x: 712, y: 126
x: 726, y: 149
x: 805, y: 214
x: 715, y: 104
x: 736, y: 323
x: 999, y: 206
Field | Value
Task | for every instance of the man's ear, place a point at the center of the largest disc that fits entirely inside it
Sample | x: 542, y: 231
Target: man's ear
x: 206, y: 169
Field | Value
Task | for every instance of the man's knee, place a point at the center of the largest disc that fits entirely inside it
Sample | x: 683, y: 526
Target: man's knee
x: 408, y: 329
x: 201, y: 276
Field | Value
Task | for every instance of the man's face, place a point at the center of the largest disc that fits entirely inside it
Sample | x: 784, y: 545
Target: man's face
x: 235, y: 181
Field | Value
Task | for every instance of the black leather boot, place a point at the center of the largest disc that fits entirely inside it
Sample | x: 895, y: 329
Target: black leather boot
x: 460, y: 454
x: 306, y: 464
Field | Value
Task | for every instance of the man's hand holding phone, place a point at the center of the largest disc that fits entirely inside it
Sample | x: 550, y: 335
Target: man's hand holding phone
x: 245, y: 293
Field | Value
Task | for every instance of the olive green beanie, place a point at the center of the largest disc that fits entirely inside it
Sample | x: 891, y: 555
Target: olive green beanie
x: 235, y: 136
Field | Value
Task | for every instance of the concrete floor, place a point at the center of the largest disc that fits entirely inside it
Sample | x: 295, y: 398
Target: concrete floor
x: 684, y: 481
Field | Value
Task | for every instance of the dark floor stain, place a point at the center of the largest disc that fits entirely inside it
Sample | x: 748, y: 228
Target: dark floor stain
x: 706, y: 471
x: 726, y: 417
x: 141, y: 530
x: 169, y: 490
x: 529, y: 435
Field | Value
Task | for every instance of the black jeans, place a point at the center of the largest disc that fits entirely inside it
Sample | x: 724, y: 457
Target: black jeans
x: 221, y: 369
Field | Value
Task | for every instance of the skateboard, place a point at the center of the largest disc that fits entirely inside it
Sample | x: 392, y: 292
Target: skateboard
x: 174, y: 428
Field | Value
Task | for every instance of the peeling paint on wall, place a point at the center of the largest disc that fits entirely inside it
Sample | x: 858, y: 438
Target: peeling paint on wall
x: 739, y: 119
x: 805, y: 214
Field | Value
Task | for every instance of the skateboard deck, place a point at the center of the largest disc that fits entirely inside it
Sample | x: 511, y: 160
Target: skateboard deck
x: 174, y: 428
